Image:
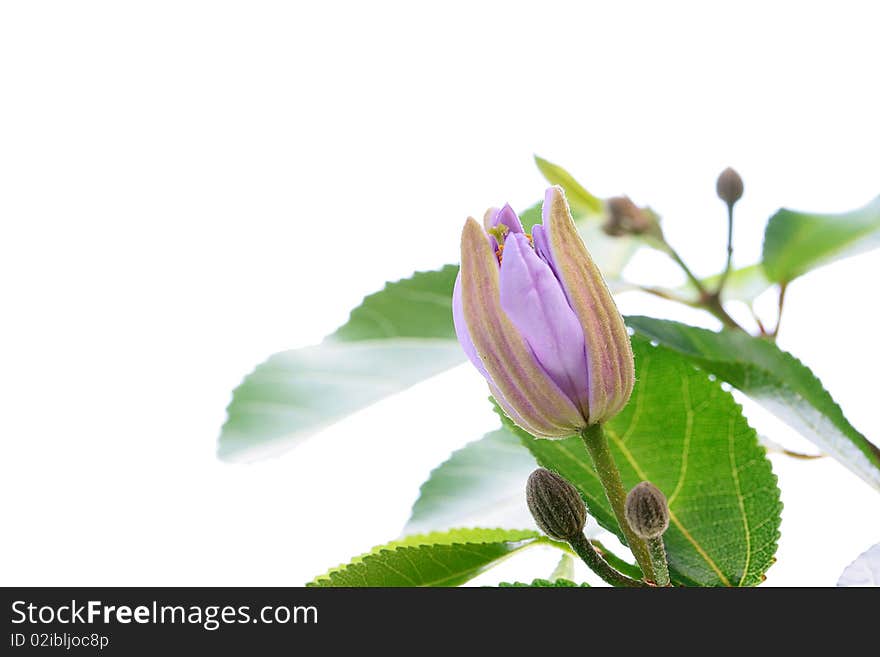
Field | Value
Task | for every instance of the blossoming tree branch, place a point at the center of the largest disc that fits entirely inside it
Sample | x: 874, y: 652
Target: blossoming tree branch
x: 605, y: 421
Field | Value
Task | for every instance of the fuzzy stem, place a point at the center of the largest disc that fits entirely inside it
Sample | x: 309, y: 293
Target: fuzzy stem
x: 598, y: 565
x: 597, y: 445
x: 658, y: 559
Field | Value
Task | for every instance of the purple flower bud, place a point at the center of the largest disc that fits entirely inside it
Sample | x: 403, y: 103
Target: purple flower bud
x: 535, y: 317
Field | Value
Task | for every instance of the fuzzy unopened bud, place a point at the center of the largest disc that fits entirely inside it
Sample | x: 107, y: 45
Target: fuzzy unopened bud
x: 626, y: 218
x: 729, y: 186
x: 553, y: 372
x: 646, y: 511
x: 556, y: 505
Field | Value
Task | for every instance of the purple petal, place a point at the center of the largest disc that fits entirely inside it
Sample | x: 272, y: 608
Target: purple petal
x: 609, y: 355
x: 542, y: 247
x: 508, y: 217
x: 534, y: 301
x: 488, y: 220
x: 461, y: 329
x: 505, y: 216
x: 510, y: 362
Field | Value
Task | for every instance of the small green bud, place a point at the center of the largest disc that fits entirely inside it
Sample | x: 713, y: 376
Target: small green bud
x: 729, y: 186
x: 646, y: 511
x: 556, y: 505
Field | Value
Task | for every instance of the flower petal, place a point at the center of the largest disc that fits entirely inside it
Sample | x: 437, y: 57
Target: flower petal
x: 461, y: 329
x: 512, y: 413
x: 506, y: 216
x: 542, y: 247
x: 508, y: 360
x: 535, y: 302
x: 609, y: 352
x: 467, y: 344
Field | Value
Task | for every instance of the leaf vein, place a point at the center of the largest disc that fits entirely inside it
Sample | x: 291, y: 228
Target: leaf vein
x: 688, y: 431
x: 674, y: 518
x: 739, y: 497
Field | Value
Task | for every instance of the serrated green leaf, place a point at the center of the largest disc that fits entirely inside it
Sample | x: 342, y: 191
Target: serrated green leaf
x: 463, y: 535
x: 393, y: 340
x: 437, y: 559
x: 298, y: 392
x: 796, y: 242
x: 481, y: 483
x: 685, y: 434
x: 777, y: 381
x: 415, y: 307
x: 543, y: 584
x: 579, y: 199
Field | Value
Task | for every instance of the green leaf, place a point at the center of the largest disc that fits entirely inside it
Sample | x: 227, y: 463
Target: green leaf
x: 415, y: 307
x: 531, y: 217
x: 393, y: 340
x: 564, y: 569
x: 580, y: 200
x: 685, y: 434
x: 777, y: 381
x: 627, y: 568
x: 796, y: 242
x: 479, y: 484
x: 460, y: 535
x: 438, y: 559
x: 543, y: 584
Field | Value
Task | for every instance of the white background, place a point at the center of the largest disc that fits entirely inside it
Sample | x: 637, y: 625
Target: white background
x: 186, y: 188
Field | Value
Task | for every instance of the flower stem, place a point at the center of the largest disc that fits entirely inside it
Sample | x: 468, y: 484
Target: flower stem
x: 729, y: 251
x: 709, y: 301
x: 780, y: 304
x: 598, y: 565
x: 667, y: 294
x: 712, y: 303
x: 696, y: 282
x: 658, y: 559
x: 597, y: 446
